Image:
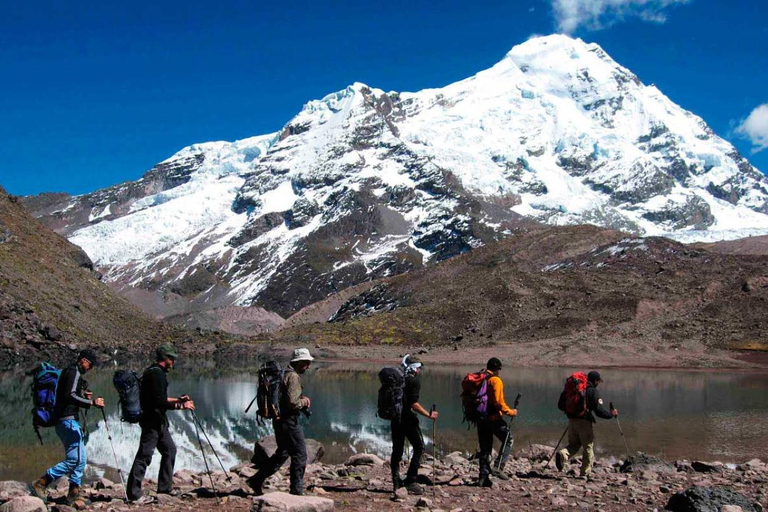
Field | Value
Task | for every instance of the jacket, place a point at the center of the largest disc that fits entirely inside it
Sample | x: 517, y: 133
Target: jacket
x: 70, y: 394
x: 594, y: 405
x: 153, y: 396
x: 291, y: 399
x: 496, y: 403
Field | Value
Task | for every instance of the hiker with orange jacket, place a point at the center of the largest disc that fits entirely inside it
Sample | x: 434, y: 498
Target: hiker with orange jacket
x: 493, y: 425
x: 580, y: 431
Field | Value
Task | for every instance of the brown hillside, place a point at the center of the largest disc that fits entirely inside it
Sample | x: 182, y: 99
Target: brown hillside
x: 51, y: 302
x: 564, y: 294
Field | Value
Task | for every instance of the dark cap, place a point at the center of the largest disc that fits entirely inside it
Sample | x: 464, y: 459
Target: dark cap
x: 90, y: 355
x: 494, y: 364
x: 413, y: 360
x: 593, y: 376
x: 165, y: 351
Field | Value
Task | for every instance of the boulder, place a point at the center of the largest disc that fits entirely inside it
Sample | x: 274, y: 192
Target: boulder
x: 535, y: 453
x: 284, y: 502
x: 455, y: 459
x: 364, y: 459
x: 707, y: 467
x: 266, y: 447
x: 12, y: 489
x: 104, y: 483
x: 708, y: 499
x: 24, y: 504
x: 644, y: 462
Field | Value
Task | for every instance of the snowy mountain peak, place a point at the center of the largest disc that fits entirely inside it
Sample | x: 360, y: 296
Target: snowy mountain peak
x: 365, y: 183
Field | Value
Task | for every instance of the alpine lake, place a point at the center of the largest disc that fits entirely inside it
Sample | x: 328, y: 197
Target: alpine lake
x: 675, y: 414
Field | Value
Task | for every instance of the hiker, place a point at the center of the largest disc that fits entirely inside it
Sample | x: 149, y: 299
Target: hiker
x: 580, y: 432
x: 407, y: 427
x: 72, y: 394
x: 494, y: 425
x: 153, y: 395
x: 289, y: 434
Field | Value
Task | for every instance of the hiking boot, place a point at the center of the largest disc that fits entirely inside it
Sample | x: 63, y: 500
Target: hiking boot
x: 75, y: 495
x: 397, y: 481
x: 485, y: 482
x: 500, y: 474
x: 255, y: 484
x: 414, y: 488
x: 39, y: 487
x: 559, y: 461
x: 296, y: 492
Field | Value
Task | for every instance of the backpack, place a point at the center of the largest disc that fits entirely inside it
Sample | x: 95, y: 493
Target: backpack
x: 127, y: 384
x: 390, y: 404
x: 45, y: 380
x: 575, y: 394
x: 268, y: 392
x: 474, y: 396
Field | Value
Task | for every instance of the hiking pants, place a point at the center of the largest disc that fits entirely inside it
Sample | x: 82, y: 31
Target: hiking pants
x: 486, y: 429
x: 581, y: 433
x: 290, y: 443
x: 407, y: 428
x: 73, y: 465
x: 153, y: 437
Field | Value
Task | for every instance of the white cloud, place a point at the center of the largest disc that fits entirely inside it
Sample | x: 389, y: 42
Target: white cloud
x: 755, y: 128
x: 597, y: 14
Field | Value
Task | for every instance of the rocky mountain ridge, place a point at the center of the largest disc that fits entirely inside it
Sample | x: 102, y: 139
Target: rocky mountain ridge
x: 365, y: 184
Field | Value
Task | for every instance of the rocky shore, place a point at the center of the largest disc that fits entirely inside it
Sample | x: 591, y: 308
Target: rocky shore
x: 641, y: 482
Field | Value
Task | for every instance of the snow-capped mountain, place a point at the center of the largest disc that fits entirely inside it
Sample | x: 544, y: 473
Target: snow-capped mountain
x: 362, y: 183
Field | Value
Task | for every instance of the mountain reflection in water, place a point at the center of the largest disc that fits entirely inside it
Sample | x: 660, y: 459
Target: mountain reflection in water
x: 697, y: 415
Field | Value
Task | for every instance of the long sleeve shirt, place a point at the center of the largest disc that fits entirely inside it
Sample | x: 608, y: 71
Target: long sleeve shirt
x: 153, y: 396
x: 291, y: 399
x: 496, y: 403
x: 70, y: 394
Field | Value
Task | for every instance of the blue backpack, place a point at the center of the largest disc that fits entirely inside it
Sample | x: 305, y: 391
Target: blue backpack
x: 45, y: 379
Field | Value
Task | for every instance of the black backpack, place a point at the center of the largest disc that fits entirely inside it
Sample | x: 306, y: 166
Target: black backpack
x: 127, y: 383
x: 268, y: 392
x: 390, y: 405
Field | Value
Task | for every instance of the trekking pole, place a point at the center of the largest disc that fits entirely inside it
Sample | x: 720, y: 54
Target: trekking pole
x: 117, y: 464
x: 626, y: 446
x: 509, y: 433
x: 434, y: 440
x: 556, y: 447
x: 211, y: 445
x: 205, y: 461
x: 250, y: 404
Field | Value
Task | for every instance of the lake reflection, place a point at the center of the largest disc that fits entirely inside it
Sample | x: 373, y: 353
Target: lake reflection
x: 674, y: 414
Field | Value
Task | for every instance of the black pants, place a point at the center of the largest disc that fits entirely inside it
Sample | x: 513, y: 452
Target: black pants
x: 407, y: 428
x: 486, y: 429
x: 290, y: 443
x: 153, y: 436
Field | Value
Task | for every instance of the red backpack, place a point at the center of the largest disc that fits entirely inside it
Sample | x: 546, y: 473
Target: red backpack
x: 576, y: 395
x: 474, y: 396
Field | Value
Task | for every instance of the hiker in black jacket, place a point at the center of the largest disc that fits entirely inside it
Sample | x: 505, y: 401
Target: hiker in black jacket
x: 153, y: 395
x: 72, y: 394
x: 580, y: 431
x: 408, y: 428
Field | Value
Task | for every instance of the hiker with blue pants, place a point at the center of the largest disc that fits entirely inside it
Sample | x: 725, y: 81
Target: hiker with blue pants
x: 72, y: 394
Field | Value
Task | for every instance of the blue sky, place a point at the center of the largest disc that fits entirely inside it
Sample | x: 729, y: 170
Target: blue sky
x: 95, y: 93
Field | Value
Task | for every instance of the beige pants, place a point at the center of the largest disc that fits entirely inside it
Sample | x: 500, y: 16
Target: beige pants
x: 580, y: 434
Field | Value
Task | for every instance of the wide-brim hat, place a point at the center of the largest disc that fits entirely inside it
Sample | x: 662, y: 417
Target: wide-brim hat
x: 301, y: 354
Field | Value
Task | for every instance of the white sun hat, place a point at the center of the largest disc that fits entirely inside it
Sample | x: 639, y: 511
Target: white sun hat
x: 301, y: 354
